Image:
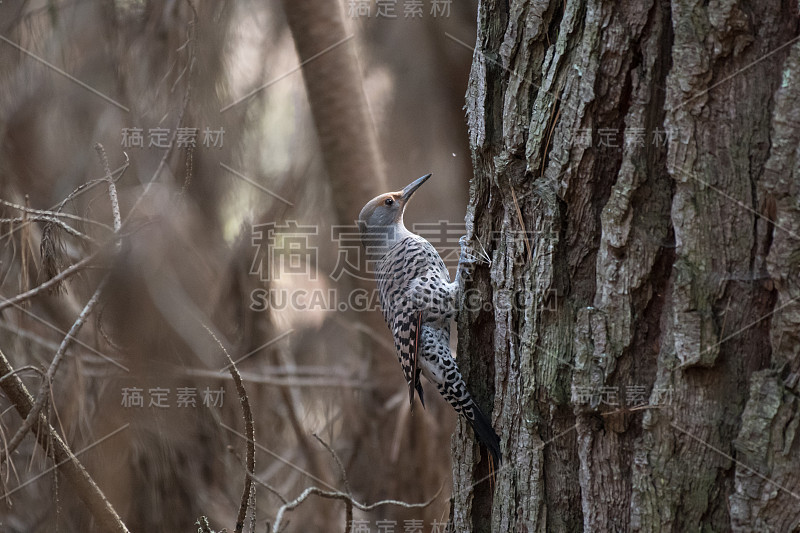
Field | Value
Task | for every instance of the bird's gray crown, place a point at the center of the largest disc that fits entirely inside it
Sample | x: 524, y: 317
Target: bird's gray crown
x: 381, y: 220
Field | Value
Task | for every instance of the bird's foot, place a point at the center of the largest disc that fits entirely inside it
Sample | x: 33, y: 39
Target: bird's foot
x: 470, y: 257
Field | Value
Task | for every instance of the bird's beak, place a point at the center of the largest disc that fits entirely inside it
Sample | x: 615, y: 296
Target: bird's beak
x: 412, y: 187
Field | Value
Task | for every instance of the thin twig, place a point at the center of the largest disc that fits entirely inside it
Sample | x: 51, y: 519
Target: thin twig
x: 62, y: 455
x: 293, y: 406
x: 53, y: 214
x: 85, y: 187
x: 50, y: 325
x: 67, y: 272
x: 336, y: 495
x: 267, y: 486
x: 25, y: 246
x: 283, y: 460
x: 348, y: 511
x: 112, y: 188
x: 338, y: 463
x: 250, y: 432
x: 53, y: 220
x: 203, y: 526
x: 79, y: 190
x: 42, y: 396
x: 23, y: 369
x: 19, y: 331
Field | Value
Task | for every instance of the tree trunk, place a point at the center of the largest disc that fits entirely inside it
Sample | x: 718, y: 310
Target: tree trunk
x: 636, y: 185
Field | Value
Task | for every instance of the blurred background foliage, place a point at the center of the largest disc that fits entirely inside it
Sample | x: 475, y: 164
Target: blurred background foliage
x: 76, y: 73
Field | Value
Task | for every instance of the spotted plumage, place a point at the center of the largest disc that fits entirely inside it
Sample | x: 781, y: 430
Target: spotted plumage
x: 415, y: 290
x: 418, y: 301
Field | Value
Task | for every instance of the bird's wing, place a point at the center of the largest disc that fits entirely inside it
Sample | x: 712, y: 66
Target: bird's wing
x: 408, y: 260
x: 407, y: 333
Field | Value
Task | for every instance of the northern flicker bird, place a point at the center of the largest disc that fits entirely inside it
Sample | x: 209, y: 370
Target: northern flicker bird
x: 418, y: 301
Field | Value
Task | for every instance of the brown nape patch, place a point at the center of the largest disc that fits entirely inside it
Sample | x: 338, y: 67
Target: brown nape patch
x: 398, y: 201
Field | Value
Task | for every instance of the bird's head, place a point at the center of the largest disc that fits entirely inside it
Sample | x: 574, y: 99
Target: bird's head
x: 383, y: 215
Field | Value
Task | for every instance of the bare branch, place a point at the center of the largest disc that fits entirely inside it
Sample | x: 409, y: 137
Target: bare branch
x: 338, y: 463
x: 267, y: 486
x: 52, y: 220
x: 85, y: 187
x: 79, y: 190
x: 348, y: 513
x: 112, y: 189
x: 62, y: 455
x: 67, y: 272
x: 41, y: 398
x: 336, y: 495
x: 53, y: 214
x: 22, y: 369
x: 250, y: 432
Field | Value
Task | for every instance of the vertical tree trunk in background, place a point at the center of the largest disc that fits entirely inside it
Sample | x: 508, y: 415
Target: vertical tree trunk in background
x: 636, y: 183
x: 333, y: 82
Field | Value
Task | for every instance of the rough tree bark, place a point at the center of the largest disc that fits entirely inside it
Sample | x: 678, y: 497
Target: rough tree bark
x: 636, y: 183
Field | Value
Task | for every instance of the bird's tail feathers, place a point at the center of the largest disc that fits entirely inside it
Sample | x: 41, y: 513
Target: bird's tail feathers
x: 486, y: 434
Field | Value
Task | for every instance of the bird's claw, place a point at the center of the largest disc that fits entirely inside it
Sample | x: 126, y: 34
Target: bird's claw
x: 469, y: 258
x: 470, y: 255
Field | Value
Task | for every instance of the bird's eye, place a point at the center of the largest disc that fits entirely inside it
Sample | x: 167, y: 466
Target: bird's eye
x: 388, y: 201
